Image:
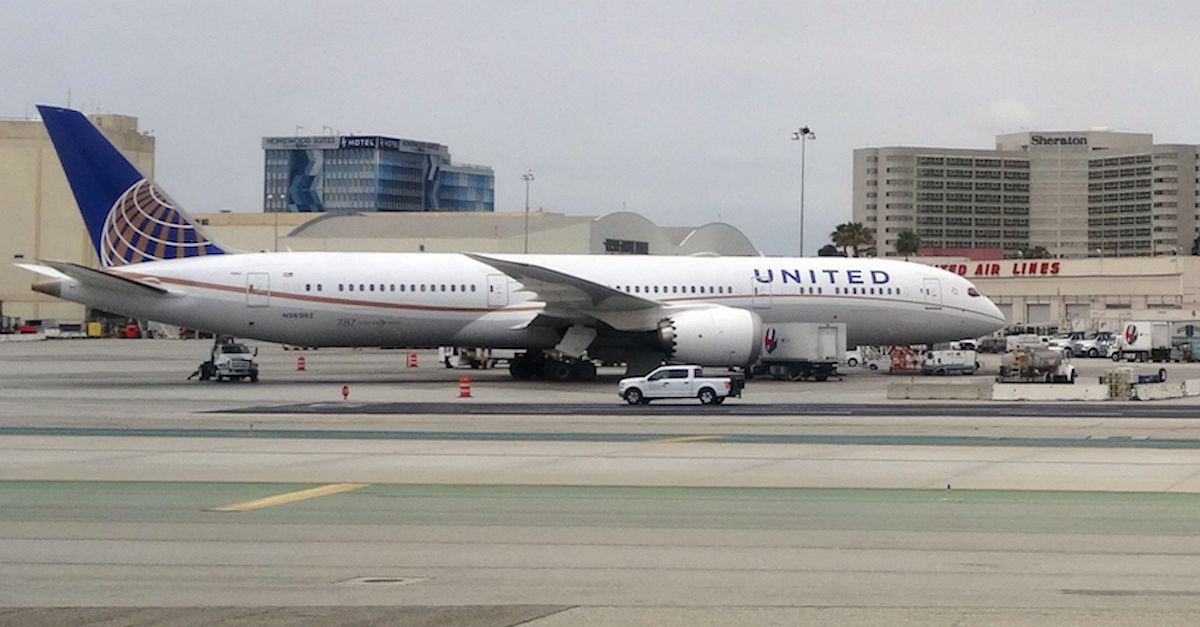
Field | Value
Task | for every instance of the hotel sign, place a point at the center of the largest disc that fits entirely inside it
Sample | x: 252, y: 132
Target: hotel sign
x: 1046, y: 140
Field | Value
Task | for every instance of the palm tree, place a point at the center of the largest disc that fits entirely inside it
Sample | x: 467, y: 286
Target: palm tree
x: 853, y: 235
x: 907, y: 243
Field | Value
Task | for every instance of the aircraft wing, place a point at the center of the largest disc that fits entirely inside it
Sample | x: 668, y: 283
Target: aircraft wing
x: 93, y: 278
x: 570, y: 296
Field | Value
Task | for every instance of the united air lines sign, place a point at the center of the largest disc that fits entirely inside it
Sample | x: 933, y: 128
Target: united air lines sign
x: 1017, y: 268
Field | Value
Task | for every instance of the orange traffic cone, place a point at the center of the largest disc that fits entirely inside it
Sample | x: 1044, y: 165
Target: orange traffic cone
x: 464, y: 387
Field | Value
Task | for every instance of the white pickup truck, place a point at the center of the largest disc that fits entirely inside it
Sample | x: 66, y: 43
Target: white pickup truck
x: 680, y: 382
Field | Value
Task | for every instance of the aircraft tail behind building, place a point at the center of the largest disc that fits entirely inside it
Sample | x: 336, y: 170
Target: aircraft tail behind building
x: 129, y: 218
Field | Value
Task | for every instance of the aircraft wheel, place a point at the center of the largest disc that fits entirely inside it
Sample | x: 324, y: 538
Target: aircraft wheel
x: 521, y: 368
x: 583, y: 371
x: 554, y: 370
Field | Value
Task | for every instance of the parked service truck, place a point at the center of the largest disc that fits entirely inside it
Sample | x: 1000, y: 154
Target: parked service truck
x: 799, y: 350
x: 1036, y: 365
x: 953, y: 361
x: 229, y: 360
x: 1144, y: 341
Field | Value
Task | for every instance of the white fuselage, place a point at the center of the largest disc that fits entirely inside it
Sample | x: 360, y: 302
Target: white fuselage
x: 425, y: 299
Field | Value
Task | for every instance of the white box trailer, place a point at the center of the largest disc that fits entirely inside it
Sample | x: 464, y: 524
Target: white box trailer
x: 941, y: 362
x: 799, y: 350
x: 1147, y: 340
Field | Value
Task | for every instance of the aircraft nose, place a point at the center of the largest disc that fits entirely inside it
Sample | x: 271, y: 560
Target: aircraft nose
x: 992, y: 311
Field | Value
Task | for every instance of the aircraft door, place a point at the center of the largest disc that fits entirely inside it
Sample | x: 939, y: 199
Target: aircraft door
x: 497, y: 290
x: 933, y: 292
x: 761, y: 294
x: 258, y: 289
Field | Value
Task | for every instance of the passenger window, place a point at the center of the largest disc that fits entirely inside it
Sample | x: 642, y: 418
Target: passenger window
x: 443, y: 287
x: 655, y: 289
x: 472, y: 287
x: 362, y: 288
x: 401, y: 287
x: 422, y: 287
x: 307, y: 287
x: 372, y: 287
x: 351, y: 287
x: 658, y: 375
x: 392, y: 287
x: 693, y: 289
x: 453, y: 287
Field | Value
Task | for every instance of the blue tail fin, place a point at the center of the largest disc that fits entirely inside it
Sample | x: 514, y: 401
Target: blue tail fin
x: 128, y: 217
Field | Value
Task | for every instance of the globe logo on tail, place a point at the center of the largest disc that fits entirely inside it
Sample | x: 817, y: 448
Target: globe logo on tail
x: 144, y: 225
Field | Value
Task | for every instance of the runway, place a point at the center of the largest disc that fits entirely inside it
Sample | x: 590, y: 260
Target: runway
x: 129, y: 495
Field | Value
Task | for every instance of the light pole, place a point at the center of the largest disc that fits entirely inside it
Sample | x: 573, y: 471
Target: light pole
x: 802, y: 135
x: 527, y: 177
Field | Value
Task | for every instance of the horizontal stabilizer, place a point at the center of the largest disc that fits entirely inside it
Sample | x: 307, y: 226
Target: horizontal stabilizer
x: 93, y: 278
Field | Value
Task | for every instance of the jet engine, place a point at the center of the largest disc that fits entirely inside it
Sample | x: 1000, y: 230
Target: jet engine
x: 712, y: 336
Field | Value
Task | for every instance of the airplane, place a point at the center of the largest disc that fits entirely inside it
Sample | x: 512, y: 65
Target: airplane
x: 564, y: 311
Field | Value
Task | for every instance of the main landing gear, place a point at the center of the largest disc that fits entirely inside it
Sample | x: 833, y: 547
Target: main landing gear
x: 530, y: 365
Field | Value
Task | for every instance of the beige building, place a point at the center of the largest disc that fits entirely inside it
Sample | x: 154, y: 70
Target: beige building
x: 616, y: 233
x: 1095, y: 193
x: 1086, y: 294
x: 39, y: 216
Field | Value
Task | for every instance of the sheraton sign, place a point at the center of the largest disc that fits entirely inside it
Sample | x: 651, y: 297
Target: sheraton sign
x: 1014, y: 268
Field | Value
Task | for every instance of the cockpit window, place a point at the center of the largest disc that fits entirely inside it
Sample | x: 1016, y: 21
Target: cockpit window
x: 972, y: 292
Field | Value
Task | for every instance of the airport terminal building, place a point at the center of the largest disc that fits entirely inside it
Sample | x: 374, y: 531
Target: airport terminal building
x: 1095, y: 193
x: 1085, y: 294
x: 346, y: 173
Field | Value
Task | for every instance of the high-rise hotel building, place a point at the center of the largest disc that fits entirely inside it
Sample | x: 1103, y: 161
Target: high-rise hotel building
x: 336, y: 173
x: 1094, y: 193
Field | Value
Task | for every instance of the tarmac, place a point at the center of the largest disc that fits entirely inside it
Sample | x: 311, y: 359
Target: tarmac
x: 129, y: 495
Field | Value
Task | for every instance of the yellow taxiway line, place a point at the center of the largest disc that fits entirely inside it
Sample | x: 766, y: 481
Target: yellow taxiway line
x: 687, y: 438
x: 291, y: 497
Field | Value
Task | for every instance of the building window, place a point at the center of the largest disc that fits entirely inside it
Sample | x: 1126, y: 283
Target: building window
x: 626, y: 247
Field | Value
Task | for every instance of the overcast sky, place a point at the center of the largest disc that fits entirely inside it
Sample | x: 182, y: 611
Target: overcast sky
x: 681, y: 111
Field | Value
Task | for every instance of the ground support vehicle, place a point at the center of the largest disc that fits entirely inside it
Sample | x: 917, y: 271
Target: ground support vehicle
x: 942, y: 362
x: 1027, y: 365
x: 802, y: 350
x: 680, y: 382
x: 1093, y: 345
x: 1145, y: 341
x: 229, y: 360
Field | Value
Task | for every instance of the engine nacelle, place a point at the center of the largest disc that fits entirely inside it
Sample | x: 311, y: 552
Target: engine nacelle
x: 712, y: 336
